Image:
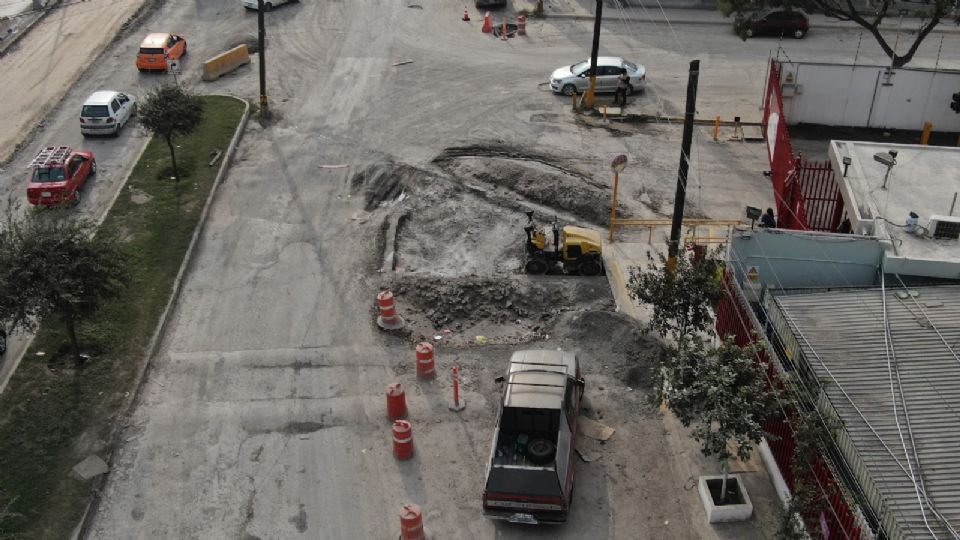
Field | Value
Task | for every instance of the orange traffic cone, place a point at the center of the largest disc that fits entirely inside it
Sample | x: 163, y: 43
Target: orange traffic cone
x: 466, y: 14
x: 487, y: 23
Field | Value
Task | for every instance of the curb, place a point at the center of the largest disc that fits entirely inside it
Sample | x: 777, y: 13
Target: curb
x: 26, y: 30
x: 155, y: 341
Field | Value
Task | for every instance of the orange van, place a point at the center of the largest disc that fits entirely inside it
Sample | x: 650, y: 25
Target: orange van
x: 157, y: 48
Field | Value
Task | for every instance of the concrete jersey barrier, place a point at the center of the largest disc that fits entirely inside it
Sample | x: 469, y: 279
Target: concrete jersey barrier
x: 224, y: 63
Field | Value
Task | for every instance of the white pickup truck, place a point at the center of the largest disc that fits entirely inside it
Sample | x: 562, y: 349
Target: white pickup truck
x: 530, y: 472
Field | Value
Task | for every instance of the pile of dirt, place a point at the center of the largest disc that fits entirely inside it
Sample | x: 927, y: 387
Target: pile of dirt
x: 458, y: 310
x: 387, y: 182
x: 627, y: 350
x: 544, y: 180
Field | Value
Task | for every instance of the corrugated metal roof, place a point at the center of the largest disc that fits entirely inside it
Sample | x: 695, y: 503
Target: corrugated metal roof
x: 841, y: 336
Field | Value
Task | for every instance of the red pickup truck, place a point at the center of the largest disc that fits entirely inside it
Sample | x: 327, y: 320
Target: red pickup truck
x: 58, y: 174
x: 530, y: 472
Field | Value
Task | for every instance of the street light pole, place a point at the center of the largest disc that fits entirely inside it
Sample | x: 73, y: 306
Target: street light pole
x: 594, y: 51
x: 261, y: 45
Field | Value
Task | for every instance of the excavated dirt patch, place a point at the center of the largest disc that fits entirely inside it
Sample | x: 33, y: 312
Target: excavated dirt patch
x: 499, y: 310
x: 545, y: 180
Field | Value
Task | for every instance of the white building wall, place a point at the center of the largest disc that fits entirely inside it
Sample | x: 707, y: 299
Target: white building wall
x: 868, y: 96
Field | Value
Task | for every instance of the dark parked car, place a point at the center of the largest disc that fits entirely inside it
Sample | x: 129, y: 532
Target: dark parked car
x: 774, y: 22
x: 489, y: 3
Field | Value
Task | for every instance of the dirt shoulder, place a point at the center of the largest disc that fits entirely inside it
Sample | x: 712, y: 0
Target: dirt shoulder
x: 40, y: 70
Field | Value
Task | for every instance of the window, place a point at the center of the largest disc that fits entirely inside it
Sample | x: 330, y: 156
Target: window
x: 151, y: 50
x: 609, y: 71
x: 568, y: 400
x: 94, y: 111
x: 115, y: 105
x: 75, y: 164
x: 581, y: 67
x: 48, y: 174
x: 122, y: 98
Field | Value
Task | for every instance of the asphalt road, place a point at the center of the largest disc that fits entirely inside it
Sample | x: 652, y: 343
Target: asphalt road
x: 262, y: 416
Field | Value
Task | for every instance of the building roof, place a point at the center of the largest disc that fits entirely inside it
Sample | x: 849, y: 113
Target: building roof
x: 923, y: 181
x: 538, y: 378
x: 840, y: 335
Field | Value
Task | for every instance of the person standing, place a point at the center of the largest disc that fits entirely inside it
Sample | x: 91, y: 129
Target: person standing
x: 767, y: 220
x: 623, y: 81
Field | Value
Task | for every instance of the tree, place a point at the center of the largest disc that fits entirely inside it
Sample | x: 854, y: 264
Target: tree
x: 170, y: 110
x: 869, y: 18
x: 722, y: 392
x: 812, y: 435
x: 682, y: 301
x: 52, y: 266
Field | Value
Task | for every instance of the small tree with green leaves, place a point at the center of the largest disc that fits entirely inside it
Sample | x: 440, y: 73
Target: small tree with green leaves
x: 52, y: 266
x: 721, y: 392
x: 811, y: 435
x: 682, y: 301
x: 169, y: 111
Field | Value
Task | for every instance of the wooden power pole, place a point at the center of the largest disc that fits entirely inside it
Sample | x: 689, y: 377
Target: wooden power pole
x: 594, y: 51
x: 680, y: 198
x: 261, y: 45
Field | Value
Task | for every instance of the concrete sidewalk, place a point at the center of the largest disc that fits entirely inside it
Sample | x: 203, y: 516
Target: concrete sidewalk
x: 571, y: 9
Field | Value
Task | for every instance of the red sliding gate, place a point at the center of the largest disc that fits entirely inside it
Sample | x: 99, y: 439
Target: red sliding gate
x: 806, y: 192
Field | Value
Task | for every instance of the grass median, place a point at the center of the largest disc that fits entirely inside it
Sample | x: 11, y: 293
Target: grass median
x: 51, y: 416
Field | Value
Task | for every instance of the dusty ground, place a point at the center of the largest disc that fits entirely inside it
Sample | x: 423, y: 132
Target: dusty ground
x: 50, y: 58
x: 263, y: 416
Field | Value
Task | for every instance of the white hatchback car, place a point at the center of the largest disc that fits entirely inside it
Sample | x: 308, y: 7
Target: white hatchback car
x: 106, y: 112
x: 575, y: 79
x: 267, y: 4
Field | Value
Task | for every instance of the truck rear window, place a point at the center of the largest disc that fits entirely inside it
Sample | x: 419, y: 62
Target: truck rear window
x: 48, y: 174
x: 151, y: 50
x: 94, y: 111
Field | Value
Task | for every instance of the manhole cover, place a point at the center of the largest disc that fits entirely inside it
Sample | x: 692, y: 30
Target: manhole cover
x: 511, y: 30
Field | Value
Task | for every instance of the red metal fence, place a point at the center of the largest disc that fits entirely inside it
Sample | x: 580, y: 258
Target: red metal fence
x: 835, y: 519
x: 806, y: 192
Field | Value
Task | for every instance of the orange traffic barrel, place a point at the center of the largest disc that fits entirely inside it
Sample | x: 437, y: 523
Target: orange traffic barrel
x: 388, y: 318
x: 411, y: 522
x: 396, y: 401
x: 425, y: 365
x: 402, y: 439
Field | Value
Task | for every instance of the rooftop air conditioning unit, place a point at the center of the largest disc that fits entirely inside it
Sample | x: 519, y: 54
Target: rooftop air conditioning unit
x: 945, y: 227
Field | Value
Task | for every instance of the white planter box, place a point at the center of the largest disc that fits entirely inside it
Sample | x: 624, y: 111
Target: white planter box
x: 727, y: 512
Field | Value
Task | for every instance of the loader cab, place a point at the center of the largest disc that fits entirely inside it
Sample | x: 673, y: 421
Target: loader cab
x: 568, y: 250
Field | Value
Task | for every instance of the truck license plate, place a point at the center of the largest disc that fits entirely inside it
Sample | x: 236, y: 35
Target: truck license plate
x: 523, y: 518
x: 45, y: 193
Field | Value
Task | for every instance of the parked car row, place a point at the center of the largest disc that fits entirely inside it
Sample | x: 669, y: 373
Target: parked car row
x: 58, y: 173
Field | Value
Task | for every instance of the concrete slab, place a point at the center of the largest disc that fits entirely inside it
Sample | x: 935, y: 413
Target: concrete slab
x: 91, y: 467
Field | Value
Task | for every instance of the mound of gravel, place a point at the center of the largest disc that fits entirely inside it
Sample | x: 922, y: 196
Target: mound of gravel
x: 464, y: 301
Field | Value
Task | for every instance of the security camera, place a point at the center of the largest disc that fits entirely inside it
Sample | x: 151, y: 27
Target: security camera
x: 887, y: 158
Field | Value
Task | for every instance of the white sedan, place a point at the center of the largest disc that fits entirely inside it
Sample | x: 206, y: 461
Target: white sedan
x: 576, y: 78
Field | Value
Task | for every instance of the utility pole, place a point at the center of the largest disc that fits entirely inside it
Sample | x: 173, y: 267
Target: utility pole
x: 588, y: 98
x: 261, y: 45
x: 680, y: 198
